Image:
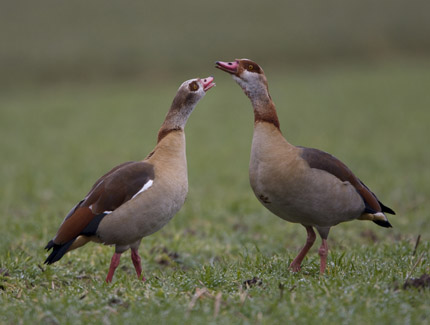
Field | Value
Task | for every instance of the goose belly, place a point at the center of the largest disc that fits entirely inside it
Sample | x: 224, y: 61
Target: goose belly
x: 311, y: 197
x: 142, y: 215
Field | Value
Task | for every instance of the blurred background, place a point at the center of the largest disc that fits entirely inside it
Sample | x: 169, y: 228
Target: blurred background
x: 49, y: 41
x: 85, y: 85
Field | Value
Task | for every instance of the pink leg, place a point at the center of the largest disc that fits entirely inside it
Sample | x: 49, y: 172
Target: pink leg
x: 136, y: 262
x: 295, y: 265
x: 113, y: 265
x: 323, y: 252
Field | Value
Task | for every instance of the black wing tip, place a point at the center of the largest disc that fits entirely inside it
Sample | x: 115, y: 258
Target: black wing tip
x: 57, y: 252
x: 386, y: 209
x: 383, y: 223
x: 49, y: 259
x: 50, y: 245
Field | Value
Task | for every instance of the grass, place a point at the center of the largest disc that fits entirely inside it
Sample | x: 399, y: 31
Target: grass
x: 55, y: 142
x: 47, y: 41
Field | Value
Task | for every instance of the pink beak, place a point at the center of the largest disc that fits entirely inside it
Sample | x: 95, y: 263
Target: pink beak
x: 230, y: 67
x: 208, y: 83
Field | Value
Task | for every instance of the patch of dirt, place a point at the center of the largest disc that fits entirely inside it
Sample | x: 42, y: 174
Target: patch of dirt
x: 5, y: 273
x: 50, y: 320
x: 163, y: 261
x: 118, y: 302
x: 189, y: 232
x: 422, y: 282
x: 240, y: 227
x: 114, y: 301
x: 369, y: 234
x: 174, y: 256
x: 165, y: 257
x: 252, y: 282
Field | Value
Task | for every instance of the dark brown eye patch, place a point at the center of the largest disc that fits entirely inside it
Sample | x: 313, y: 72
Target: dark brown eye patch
x: 193, y: 86
x: 251, y: 66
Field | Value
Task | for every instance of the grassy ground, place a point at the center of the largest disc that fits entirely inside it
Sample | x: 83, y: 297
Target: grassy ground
x: 55, y: 142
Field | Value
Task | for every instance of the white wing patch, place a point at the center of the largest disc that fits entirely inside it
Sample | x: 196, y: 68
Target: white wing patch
x: 91, y: 208
x: 147, y: 185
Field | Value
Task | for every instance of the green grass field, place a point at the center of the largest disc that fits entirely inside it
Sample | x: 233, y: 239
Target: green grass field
x: 55, y: 142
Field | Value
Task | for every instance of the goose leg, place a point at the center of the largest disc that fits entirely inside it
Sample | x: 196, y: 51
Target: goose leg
x: 137, y: 263
x: 295, y: 265
x: 113, y: 265
x: 323, y: 252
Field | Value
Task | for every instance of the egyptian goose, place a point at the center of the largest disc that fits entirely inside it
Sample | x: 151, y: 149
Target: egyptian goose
x: 301, y: 185
x: 137, y: 198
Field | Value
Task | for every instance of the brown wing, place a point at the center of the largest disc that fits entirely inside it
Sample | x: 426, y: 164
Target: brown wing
x: 95, y: 185
x: 324, y: 161
x: 109, y: 192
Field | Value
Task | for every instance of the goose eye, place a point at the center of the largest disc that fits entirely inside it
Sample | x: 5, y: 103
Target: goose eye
x: 193, y: 86
x: 250, y: 67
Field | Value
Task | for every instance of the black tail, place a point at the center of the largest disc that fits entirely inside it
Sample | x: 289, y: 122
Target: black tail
x: 383, y: 223
x: 386, y: 209
x: 58, y: 251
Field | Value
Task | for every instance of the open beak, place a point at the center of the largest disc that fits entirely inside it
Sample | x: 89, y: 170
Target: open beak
x: 208, y: 83
x: 230, y: 67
